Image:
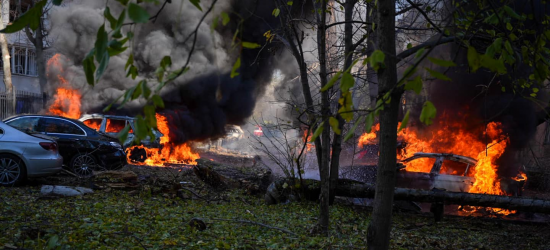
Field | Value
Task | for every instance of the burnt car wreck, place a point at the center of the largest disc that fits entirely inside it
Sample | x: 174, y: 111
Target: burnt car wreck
x: 449, y: 172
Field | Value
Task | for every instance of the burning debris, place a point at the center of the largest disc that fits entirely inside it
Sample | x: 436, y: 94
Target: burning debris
x: 169, y: 152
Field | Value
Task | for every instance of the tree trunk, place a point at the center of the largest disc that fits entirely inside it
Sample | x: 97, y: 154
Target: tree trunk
x: 6, y: 61
x: 40, y: 58
x: 337, y: 138
x: 325, y: 113
x: 355, y: 189
x: 378, y: 233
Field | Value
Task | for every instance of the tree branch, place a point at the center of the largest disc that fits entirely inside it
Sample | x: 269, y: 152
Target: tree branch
x: 427, y: 44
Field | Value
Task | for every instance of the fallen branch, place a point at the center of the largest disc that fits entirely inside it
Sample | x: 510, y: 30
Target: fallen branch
x: 258, y: 224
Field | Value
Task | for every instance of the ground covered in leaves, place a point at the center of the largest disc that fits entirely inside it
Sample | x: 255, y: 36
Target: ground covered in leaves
x: 156, y: 216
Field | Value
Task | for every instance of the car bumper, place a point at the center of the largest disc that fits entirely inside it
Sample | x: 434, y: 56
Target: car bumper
x: 37, y: 167
x: 114, y: 160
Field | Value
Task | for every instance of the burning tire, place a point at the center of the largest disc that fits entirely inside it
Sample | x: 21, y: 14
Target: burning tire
x: 138, y: 155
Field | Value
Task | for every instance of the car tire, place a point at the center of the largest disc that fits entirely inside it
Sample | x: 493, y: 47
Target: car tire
x: 13, y: 171
x: 83, y: 164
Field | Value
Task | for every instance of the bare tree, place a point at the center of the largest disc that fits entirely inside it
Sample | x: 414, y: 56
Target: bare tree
x: 4, y: 10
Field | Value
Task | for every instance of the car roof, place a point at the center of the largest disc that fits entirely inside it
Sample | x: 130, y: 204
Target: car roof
x: 33, y: 115
x: 101, y: 116
x: 453, y: 157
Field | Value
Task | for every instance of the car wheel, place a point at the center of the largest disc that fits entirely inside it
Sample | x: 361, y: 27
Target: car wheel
x: 12, y: 170
x: 83, y: 164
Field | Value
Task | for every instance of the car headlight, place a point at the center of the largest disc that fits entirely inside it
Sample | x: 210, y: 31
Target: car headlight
x: 115, y: 144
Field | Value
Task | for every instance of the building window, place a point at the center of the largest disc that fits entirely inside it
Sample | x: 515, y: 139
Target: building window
x: 23, y: 61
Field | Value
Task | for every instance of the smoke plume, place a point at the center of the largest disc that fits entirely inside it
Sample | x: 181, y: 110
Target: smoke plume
x: 201, y: 102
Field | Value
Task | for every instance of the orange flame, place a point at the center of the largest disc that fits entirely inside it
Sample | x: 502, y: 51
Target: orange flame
x: 305, y: 139
x: 66, y: 101
x: 369, y: 138
x: 169, y: 152
x: 93, y: 123
x: 454, y: 138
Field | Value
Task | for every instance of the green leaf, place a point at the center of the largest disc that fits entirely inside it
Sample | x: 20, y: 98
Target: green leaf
x: 414, y: 85
x: 214, y: 24
x: 376, y: 60
x: 509, y: 26
x: 250, y: 45
x: 334, y: 125
x: 149, y: 111
x: 225, y: 18
x: 332, y: 81
x: 405, y: 121
x: 157, y: 100
x: 137, y: 13
x: 141, y: 127
x: 166, y: 62
x: 317, y: 132
x: 473, y: 59
x: 428, y: 113
x: 442, y: 63
x: 123, y: 134
x: 145, y: 90
x: 369, y: 121
x: 57, y: 2
x: 127, y: 95
x: 110, y: 18
x: 276, y: 12
x: 512, y: 13
x: 196, y: 3
x: 508, y: 47
x: 129, y: 62
x: 346, y: 104
x: 438, y: 75
x: 236, y: 67
x: 138, y: 90
x: 351, y: 132
x: 290, y: 3
x: 493, y: 64
x: 101, y: 43
x: 133, y: 72
x: 52, y: 242
x: 347, y: 82
x: 89, y: 68
x: 30, y: 18
x: 102, y: 66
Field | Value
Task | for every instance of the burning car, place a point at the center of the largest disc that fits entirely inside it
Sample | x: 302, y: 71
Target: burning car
x: 450, y: 172
x: 83, y: 149
x: 112, y: 125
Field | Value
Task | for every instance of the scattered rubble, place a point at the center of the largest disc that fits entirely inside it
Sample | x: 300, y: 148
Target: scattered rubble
x: 50, y: 190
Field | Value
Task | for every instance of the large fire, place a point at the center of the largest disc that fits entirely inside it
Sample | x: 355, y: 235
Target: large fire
x: 66, y: 101
x: 169, y: 152
x: 454, y: 138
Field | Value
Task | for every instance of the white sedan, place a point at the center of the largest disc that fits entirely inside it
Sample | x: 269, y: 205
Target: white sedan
x: 25, y: 155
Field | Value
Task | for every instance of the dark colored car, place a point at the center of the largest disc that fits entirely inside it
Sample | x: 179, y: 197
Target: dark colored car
x: 83, y: 149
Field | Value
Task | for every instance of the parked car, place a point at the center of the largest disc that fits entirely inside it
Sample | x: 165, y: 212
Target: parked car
x: 83, y: 149
x: 25, y: 155
x: 233, y: 132
x: 112, y: 125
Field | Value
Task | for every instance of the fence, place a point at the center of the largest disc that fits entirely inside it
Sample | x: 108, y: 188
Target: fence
x: 25, y: 102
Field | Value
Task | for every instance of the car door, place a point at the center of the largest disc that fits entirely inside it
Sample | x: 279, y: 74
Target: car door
x: 67, y: 134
